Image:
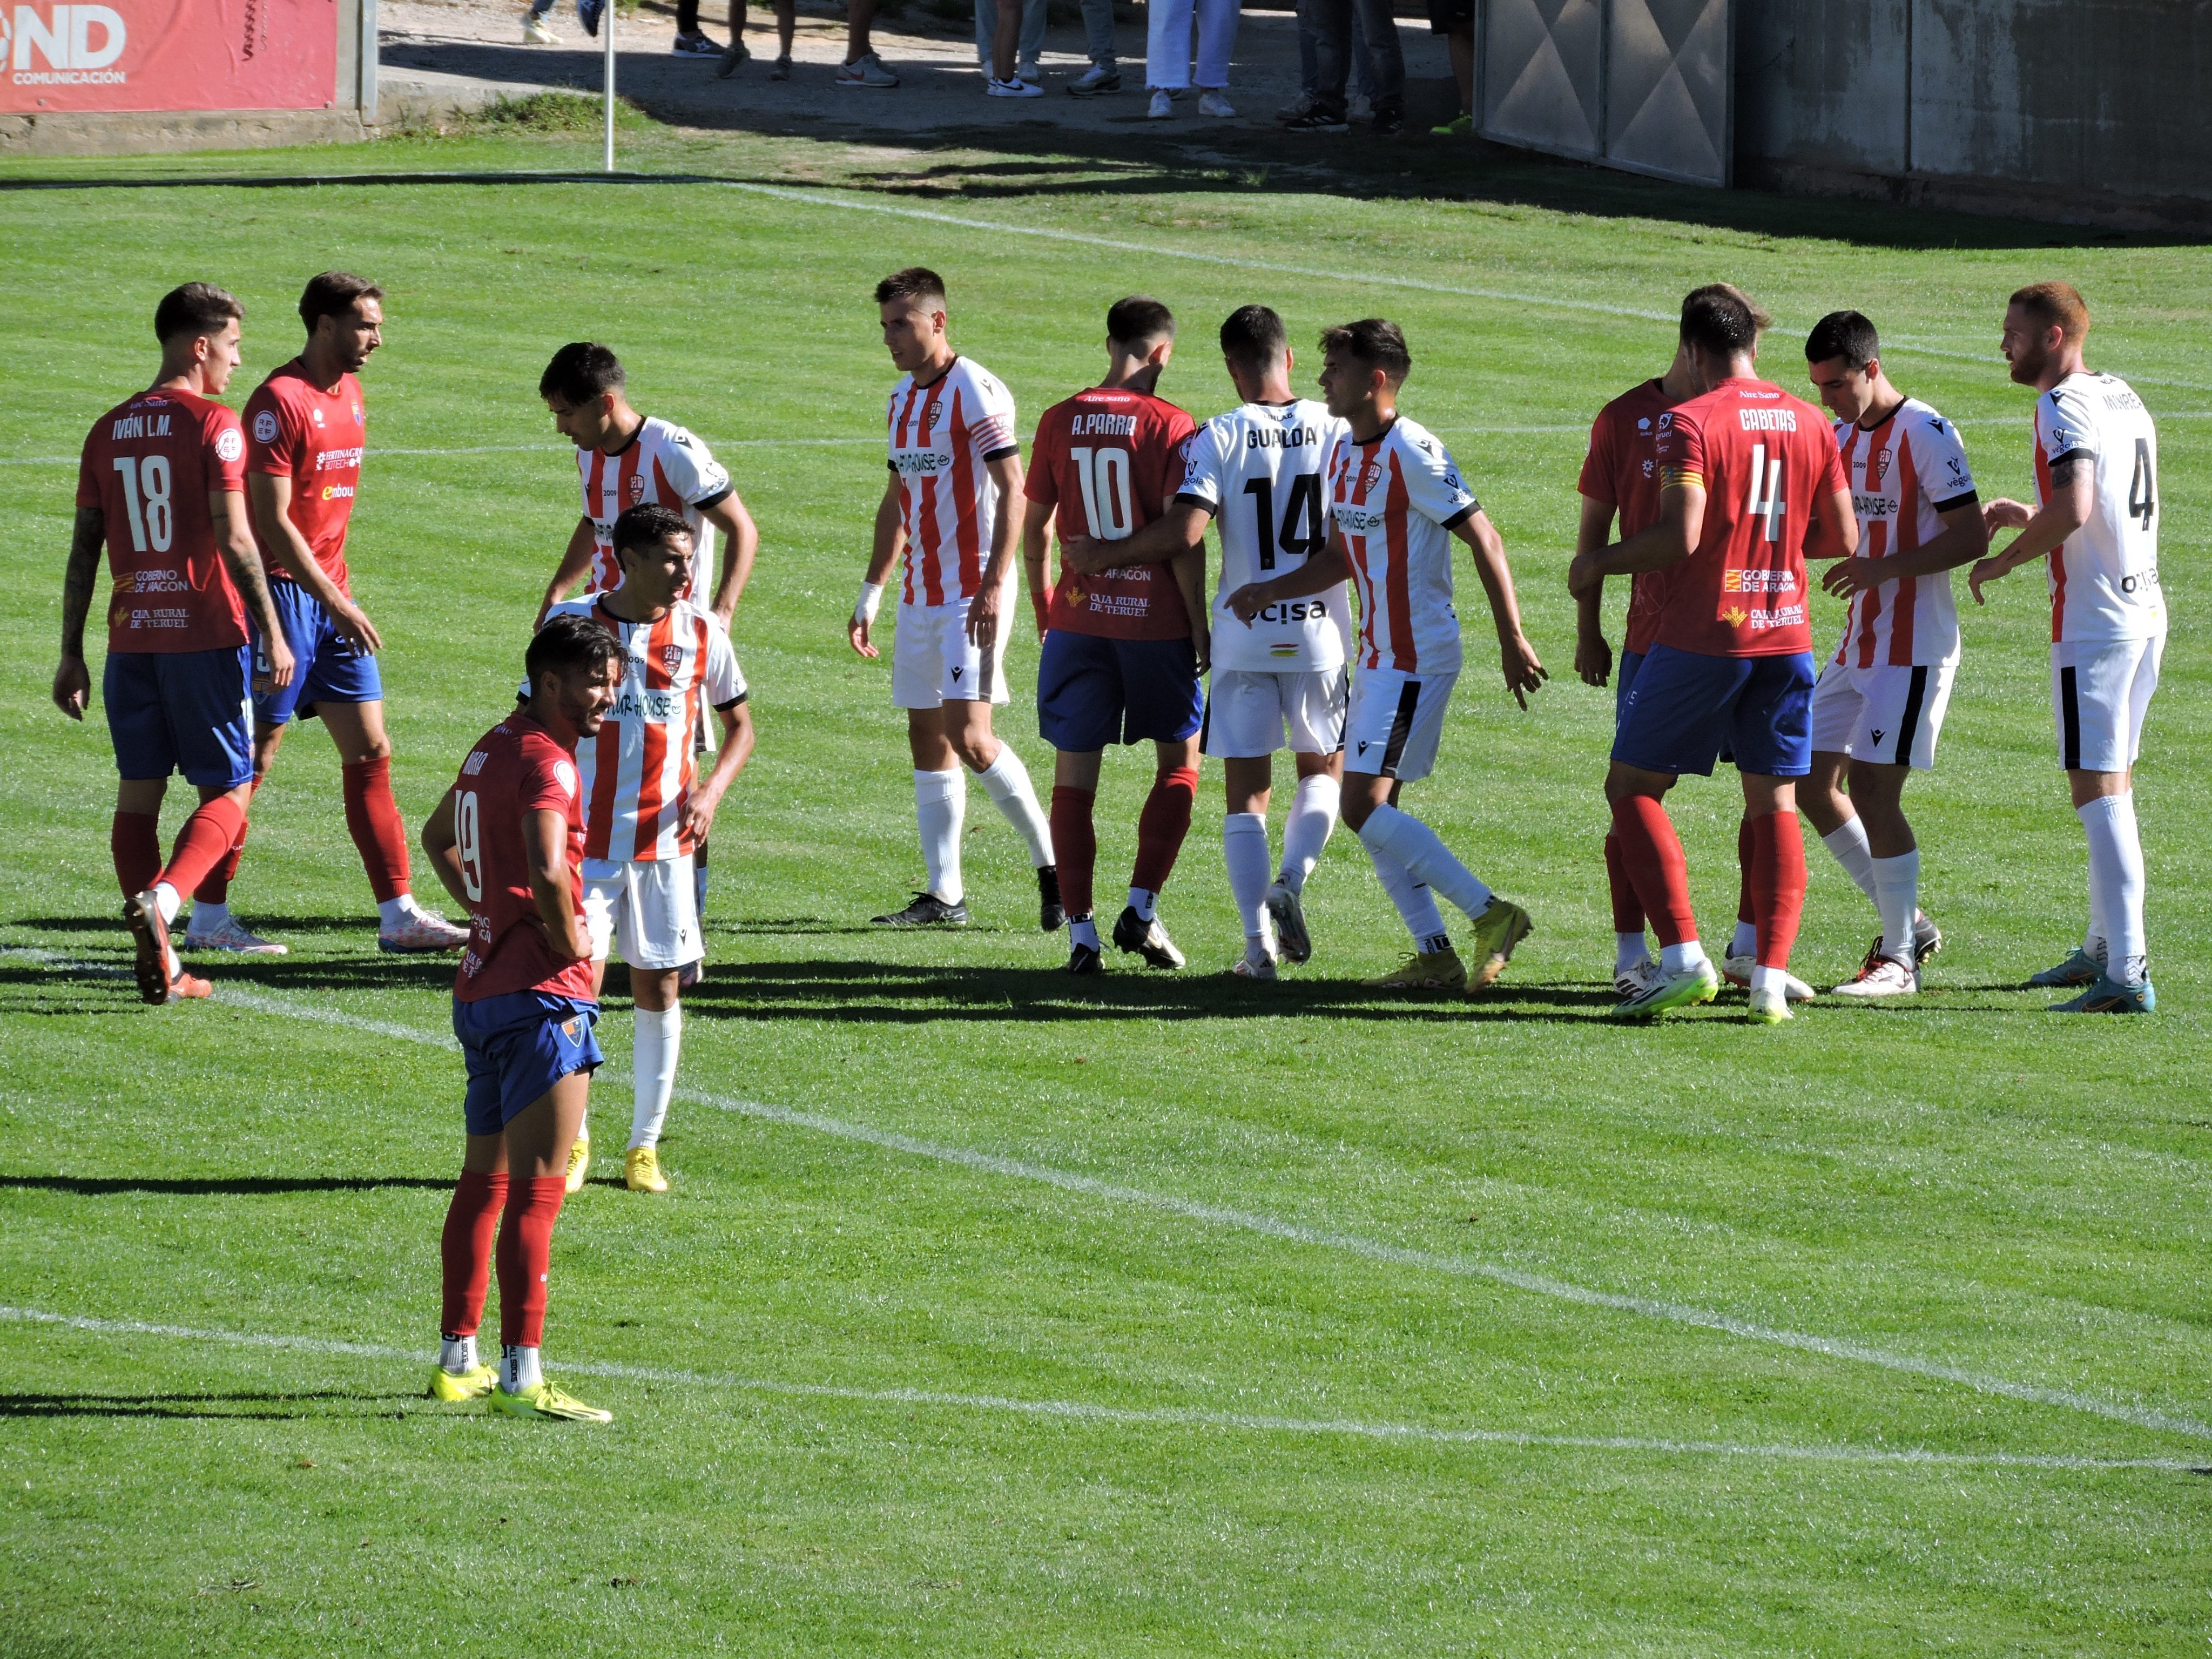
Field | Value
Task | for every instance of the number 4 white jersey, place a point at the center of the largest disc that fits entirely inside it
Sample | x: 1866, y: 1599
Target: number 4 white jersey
x: 2104, y: 580
x: 1258, y: 471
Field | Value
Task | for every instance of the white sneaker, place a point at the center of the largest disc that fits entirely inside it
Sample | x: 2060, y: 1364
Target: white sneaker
x: 425, y: 930
x: 866, y: 70
x: 995, y: 87
x: 1882, y: 977
x: 227, y: 935
x: 1096, y: 81
x: 1768, y: 1007
x: 1212, y: 103
x: 1162, y: 106
x: 537, y: 32
x: 1255, y: 965
x: 1633, y: 980
x: 1736, y: 970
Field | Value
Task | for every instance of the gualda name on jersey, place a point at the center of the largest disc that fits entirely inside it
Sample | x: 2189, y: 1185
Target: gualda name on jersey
x: 1291, y: 434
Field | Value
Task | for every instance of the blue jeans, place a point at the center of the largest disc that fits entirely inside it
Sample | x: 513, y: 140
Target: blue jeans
x: 1098, y: 31
x: 1032, y: 41
x: 1363, y: 82
x: 1334, y: 22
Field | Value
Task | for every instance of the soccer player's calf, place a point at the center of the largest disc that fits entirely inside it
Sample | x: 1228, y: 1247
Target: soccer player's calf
x: 507, y: 841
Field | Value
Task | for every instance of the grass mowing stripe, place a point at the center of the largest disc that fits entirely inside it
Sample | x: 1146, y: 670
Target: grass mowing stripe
x: 1165, y: 1416
x: 1274, y: 1227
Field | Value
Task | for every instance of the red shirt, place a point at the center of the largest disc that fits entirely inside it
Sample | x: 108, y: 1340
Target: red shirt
x: 516, y: 769
x: 1106, y: 462
x: 1763, y: 457
x: 315, y: 438
x: 149, y: 466
x: 1623, y: 468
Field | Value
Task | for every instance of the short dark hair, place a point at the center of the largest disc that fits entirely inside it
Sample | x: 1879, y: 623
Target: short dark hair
x: 642, y: 526
x: 581, y: 371
x: 1843, y: 334
x: 568, y: 642
x: 914, y: 282
x: 332, y: 293
x: 1138, y: 321
x: 1373, y: 341
x: 1252, y: 337
x: 2059, y: 304
x: 1721, y: 320
x: 195, y: 308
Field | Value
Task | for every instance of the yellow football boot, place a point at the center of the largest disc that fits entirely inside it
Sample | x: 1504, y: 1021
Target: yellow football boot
x: 580, y: 1163
x: 1496, y: 931
x: 1424, y: 970
x: 642, y: 1170
x: 453, y: 1387
x: 546, y: 1400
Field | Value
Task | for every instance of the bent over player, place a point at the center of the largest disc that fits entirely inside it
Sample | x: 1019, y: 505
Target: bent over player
x: 507, y: 841
x: 162, y: 483
x: 647, y: 808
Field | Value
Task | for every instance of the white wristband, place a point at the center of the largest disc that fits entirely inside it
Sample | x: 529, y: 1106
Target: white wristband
x: 871, y: 600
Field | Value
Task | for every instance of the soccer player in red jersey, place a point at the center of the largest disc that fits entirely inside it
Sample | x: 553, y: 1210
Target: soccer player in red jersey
x: 507, y: 841
x: 306, y: 426
x: 1751, y: 485
x: 162, y: 484
x: 1121, y: 658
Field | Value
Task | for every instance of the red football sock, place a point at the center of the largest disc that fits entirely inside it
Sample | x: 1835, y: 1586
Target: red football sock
x: 525, y: 1256
x: 135, y: 840
x: 373, y: 817
x: 203, y: 842
x: 466, y: 1248
x: 1627, y: 913
x: 1652, y: 853
x: 1777, y: 884
x: 215, y: 890
x: 1075, y: 844
x: 1745, y: 856
x: 1162, y: 826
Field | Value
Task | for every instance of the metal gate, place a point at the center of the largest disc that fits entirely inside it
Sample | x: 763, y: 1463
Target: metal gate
x: 1645, y: 85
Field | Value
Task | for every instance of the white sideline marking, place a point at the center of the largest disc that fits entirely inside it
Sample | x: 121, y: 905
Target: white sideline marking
x: 1397, y: 1255
x: 1169, y: 1416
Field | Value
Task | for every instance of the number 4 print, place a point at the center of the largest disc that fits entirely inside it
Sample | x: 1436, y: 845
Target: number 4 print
x: 2142, y: 487
x: 1301, y: 535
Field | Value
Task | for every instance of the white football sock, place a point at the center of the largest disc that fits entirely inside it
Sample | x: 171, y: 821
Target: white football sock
x: 1682, y: 958
x: 1008, y: 783
x: 1770, y: 978
x: 1415, y: 845
x: 1142, y: 901
x: 1417, y: 906
x: 518, y: 1370
x: 457, y: 1355
x: 1745, y: 940
x: 1313, y: 818
x: 1848, y: 842
x: 165, y: 899
x: 393, y: 913
x: 2116, y: 873
x: 1897, y: 896
x: 1083, y: 930
x: 208, y: 915
x: 941, y: 807
x: 1628, y: 950
x: 656, y: 1040
x: 1244, y: 848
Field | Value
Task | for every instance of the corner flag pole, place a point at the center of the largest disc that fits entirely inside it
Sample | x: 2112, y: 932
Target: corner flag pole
x: 608, y: 25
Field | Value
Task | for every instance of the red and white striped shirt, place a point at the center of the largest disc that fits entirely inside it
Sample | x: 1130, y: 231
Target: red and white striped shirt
x: 1394, y: 499
x: 1903, y: 474
x: 638, y: 772
x: 941, y: 436
x: 664, y: 465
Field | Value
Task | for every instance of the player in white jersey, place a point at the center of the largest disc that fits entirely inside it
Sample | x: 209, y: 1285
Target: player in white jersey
x: 1878, y: 705
x: 646, y: 807
x: 955, y: 463
x: 2095, y: 520
x: 1398, y: 502
x: 1256, y: 473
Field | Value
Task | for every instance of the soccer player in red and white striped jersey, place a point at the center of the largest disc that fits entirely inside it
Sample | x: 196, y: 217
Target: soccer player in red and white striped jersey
x: 646, y: 808
x: 1397, y: 501
x: 1878, y: 705
x: 956, y: 472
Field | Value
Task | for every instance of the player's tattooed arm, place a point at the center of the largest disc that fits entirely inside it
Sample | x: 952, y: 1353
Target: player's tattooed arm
x: 1593, y: 652
x: 242, y: 559
x: 1518, y: 658
x: 72, y: 679
x: 2066, y: 507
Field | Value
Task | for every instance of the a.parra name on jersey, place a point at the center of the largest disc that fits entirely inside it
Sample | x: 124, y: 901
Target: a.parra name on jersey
x: 1095, y: 424
x: 1292, y: 611
x: 1280, y: 437
x: 140, y: 426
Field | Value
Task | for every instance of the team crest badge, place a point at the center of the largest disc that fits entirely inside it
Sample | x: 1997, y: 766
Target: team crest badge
x: 1882, y: 464
x: 636, y: 488
x: 1370, y: 476
x: 671, y: 659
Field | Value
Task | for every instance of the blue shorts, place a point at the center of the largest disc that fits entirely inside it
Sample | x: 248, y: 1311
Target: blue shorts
x: 1623, y: 676
x: 1686, y: 709
x: 517, y: 1047
x: 330, y: 668
x: 180, y: 711
x: 1093, y: 691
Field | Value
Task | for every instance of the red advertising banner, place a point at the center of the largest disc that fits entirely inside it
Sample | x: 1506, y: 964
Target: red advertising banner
x: 130, y: 55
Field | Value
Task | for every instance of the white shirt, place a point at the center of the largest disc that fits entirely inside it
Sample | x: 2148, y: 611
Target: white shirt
x: 940, y: 437
x: 664, y: 465
x: 1903, y: 474
x: 2104, y: 578
x: 1395, y: 500
x: 1258, y: 471
x: 638, y: 771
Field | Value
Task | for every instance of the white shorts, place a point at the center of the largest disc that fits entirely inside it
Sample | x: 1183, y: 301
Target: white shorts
x: 1256, y: 711
x: 2098, y: 696
x: 933, y: 661
x: 1396, y: 721
x: 1887, y: 712
x: 655, y: 906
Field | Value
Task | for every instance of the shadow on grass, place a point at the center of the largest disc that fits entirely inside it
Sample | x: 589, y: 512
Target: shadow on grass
x: 250, y: 1408
x: 202, y: 1186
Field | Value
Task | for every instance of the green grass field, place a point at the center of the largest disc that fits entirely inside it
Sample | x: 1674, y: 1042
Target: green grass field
x: 996, y: 1314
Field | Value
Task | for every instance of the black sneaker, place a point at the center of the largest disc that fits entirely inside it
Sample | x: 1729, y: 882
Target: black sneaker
x: 1083, y: 960
x: 733, y: 55
x: 1317, y: 120
x: 695, y: 45
x: 928, y: 910
x: 1389, y: 123
x: 1050, y: 912
x: 1146, y: 938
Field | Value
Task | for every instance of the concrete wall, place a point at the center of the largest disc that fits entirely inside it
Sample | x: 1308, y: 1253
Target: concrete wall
x: 2093, y: 111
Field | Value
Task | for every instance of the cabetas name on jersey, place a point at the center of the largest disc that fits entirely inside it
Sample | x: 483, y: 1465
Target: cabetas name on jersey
x: 1767, y: 420
x: 139, y: 426
x: 1097, y: 424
